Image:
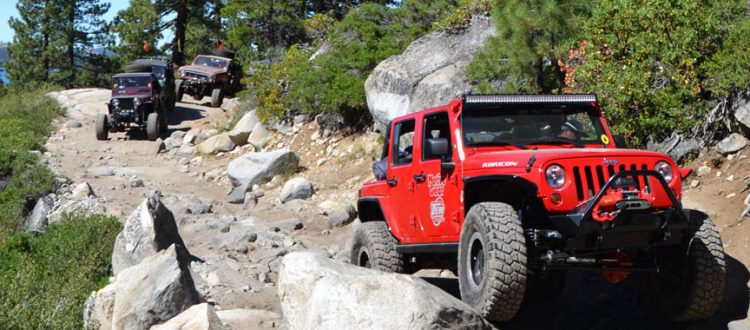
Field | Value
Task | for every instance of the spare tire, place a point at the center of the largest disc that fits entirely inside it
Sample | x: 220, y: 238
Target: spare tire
x: 138, y: 68
x: 224, y: 53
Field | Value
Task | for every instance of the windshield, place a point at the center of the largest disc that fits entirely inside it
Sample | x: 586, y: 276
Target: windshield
x: 527, y: 125
x: 124, y: 82
x: 210, y: 61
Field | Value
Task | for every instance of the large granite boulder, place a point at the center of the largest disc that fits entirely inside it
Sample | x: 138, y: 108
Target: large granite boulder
x: 252, y: 168
x: 149, y: 293
x: 319, y: 293
x: 430, y: 72
x: 198, y: 317
x: 243, y: 128
x: 149, y: 229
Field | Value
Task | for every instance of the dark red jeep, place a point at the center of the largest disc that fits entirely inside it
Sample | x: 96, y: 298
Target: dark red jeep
x: 510, y: 191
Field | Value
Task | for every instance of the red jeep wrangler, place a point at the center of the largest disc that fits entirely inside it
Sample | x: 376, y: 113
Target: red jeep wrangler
x: 510, y: 191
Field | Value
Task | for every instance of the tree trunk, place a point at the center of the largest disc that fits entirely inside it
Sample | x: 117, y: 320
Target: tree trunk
x: 217, y: 21
x: 178, y: 52
x: 539, y: 73
x: 71, y: 41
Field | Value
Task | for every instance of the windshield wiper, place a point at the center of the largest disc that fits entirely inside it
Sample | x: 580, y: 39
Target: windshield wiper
x: 497, y: 144
x: 555, y: 140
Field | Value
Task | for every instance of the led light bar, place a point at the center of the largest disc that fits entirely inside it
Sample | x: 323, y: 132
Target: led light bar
x: 517, y: 98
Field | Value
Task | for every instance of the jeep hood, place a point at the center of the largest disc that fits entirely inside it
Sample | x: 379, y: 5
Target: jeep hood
x: 516, y: 161
x: 131, y: 92
x: 203, y: 69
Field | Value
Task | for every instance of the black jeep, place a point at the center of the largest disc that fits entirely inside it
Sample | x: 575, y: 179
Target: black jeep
x: 136, y: 103
x: 163, y: 70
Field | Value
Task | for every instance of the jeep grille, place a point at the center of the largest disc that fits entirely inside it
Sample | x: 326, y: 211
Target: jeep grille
x: 590, y: 179
x: 124, y: 103
x: 195, y: 75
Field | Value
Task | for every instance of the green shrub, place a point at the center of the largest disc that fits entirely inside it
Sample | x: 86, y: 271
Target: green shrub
x: 45, y: 280
x: 25, y: 121
x: 655, y: 64
x: 333, y: 82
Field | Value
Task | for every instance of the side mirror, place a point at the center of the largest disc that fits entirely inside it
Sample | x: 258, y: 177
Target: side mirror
x: 437, y: 148
x: 619, y: 140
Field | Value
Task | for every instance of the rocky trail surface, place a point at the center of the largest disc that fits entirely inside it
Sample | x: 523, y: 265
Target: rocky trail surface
x: 236, y: 227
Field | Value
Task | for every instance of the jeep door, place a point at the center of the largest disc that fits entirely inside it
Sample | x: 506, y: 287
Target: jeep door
x: 400, y: 180
x: 437, y: 193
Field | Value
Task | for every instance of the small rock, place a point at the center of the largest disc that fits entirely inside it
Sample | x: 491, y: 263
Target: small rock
x: 320, y: 162
x: 73, y: 124
x: 694, y: 184
x: 250, y: 201
x: 187, y: 151
x: 177, y: 135
x: 237, y: 196
x: 82, y: 190
x: 703, y: 170
x: 730, y: 178
x: 171, y: 143
x: 343, y: 216
x: 135, y: 183
x: 183, y: 161
x: 225, y: 229
x: 731, y: 144
x: 731, y: 195
x: 296, y: 188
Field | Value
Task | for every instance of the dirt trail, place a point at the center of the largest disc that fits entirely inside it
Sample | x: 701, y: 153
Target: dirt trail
x: 108, y: 164
x: 587, y: 301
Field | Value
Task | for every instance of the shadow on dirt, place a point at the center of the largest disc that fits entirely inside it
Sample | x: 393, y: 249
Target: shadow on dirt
x: 589, y: 302
x: 182, y: 113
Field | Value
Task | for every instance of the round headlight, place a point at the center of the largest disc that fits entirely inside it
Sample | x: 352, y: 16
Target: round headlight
x: 137, y: 102
x: 555, y: 176
x: 665, y: 170
x: 116, y: 103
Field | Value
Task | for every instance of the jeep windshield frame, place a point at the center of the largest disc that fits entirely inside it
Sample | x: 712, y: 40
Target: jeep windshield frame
x: 211, y: 61
x: 527, y: 125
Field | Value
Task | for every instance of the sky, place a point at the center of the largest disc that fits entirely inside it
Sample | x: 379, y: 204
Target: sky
x: 8, y: 9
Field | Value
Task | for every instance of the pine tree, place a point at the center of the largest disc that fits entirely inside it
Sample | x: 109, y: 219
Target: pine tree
x: 58, y: 41
x: 32, y: 58
x: 258, y: 27
x: 134, y: 26
x: 183, y: 12
x: 531, y: 36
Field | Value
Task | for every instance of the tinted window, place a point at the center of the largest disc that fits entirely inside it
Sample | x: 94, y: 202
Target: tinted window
x: 522, y: 124
x: 403, y: 142
x: 436, y: 126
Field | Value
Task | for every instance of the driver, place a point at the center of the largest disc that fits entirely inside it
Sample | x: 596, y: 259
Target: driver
x: 571, y: 129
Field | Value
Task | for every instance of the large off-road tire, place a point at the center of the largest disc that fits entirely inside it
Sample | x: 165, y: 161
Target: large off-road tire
x: 178, y: 90
x: 102, y: 126
x: 492, y: 266
x: 374, y: 247
x: 138, y: 68
x: 224, y: 53
x: 153, y: 124
x: 690, y: 284
x: 216, y: 97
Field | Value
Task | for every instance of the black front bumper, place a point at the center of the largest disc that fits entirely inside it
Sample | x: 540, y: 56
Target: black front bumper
x: 195, y: 87
x: 630, y: 229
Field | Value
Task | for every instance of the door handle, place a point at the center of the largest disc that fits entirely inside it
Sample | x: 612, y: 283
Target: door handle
x: 392, y: 182
x: 420, y: 177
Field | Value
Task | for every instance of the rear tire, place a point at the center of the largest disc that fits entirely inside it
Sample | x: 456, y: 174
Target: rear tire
x: 492, y: 266
x: 374, y: 247
x: 102, y: 127
x: 178, y: 90
x: 152, y: 126
x: 691, y: 286
x: 216, y: 97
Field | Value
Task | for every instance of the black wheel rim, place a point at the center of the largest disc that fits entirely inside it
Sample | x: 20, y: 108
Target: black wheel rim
x: 364, y: 259
x: 475, y: 262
